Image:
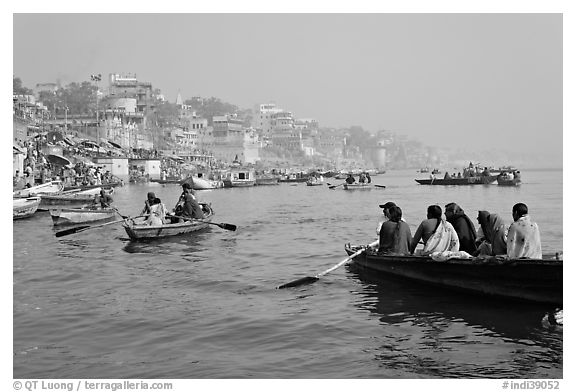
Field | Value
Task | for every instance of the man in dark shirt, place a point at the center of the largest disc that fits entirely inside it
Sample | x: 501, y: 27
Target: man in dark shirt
x: 190, y: 207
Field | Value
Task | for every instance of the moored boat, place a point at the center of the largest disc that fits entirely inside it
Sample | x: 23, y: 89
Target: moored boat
x: 239, y: 178
x: 200, y: 183
x: 79, y: 198
x: 521, y: 279
x: 86, y: 187
x: 24, y: 207
x: 48, y: 188
x: 267, y: 180
x: 137, y: 229
x: 73, y: 216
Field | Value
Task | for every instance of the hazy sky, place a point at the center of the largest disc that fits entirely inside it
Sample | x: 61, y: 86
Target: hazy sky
x: 446, y: 79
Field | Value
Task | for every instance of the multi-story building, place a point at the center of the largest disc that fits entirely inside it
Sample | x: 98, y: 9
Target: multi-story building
x: 124, y: 110
x: 264, y: 119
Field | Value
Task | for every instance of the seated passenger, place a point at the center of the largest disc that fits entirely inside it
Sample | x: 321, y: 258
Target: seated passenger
x: 395, y: 235
x: 496, y: 233
x: 157, y: 213
x: 523, y: 235
x: 463, y: 226
x: 436, y: 234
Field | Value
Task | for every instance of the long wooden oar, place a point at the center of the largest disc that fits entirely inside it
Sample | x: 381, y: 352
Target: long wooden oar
x: 225, y: 226
x: 79, y: 229
x: 335, y: 186
x: 312, y: 279
x: 380, y: 186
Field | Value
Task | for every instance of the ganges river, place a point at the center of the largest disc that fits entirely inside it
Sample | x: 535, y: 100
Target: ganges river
x: 95, y: 305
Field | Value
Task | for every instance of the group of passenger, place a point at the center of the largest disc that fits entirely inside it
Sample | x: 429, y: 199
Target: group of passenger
x: 187, y: 208
x: 457, y: 233
x: 363, y: 178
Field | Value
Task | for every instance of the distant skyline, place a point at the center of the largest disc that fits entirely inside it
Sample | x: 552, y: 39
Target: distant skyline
x: 475, y: 81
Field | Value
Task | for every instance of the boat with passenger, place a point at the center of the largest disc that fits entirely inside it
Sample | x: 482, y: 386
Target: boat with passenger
x: 138, y: 229
x: 509, y: 178
x: 535, y: 280
x: 72, y: 198
x: 356, y: 186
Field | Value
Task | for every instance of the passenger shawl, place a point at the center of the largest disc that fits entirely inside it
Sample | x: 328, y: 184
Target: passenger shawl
x: 443, y: 239
x: 524, y: 239
x: 157, y: 214
x: 496, y: 233
x: 465, y: 229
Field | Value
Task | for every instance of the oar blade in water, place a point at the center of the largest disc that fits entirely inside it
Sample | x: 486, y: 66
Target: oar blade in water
x: 227, y: 226
x: 71, y: 231
x: 299, y: 282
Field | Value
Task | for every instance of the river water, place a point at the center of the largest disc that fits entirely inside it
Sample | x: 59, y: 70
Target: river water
x: 94, y: 305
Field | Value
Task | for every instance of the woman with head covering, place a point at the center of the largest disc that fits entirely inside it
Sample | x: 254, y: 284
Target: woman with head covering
x: 157, y: 213
x: 496, y: 233
x: 436, y: 234
x: 149, y: 201
x: 463, y: 226
x: 395, y: 235
x: 483, y: 246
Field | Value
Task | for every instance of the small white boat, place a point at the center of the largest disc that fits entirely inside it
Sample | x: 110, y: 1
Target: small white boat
x: 73, y: 216
x: 25, y: 208
x: 48, y: 188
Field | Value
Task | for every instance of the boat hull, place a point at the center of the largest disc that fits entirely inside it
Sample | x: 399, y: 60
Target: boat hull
x: 353, y: 187
x: 503, y: 182
x: 86, y: 187
x: 74, y: 216
x: 142, y: 232
x: 48, y: 188
x: 481, y: 180
x: 24, y: 208
x: 519, y: 279
x: 267, y: 181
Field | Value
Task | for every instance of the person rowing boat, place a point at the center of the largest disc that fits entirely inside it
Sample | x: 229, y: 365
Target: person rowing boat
x: 187, y: 205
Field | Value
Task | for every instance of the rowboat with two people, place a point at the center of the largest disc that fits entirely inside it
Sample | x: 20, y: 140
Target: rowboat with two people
x: 24, y: 208
x: 139, y: 229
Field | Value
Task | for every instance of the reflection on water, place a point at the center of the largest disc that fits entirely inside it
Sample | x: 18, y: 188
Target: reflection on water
x: 427, y: 328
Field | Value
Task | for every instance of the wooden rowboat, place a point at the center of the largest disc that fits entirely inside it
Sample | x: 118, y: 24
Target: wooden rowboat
x: 521, y: 279
x: 25, y: 208
x: 77, y: 199
x: 73, y: 216
x: 137, y: 229
x: 86, y: 187
x: 356, y: 186
x: 48, y: 188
